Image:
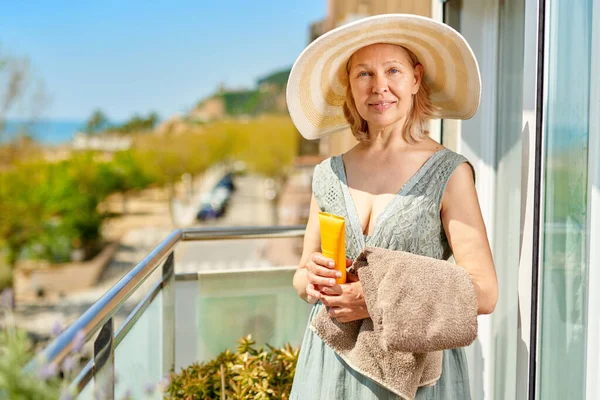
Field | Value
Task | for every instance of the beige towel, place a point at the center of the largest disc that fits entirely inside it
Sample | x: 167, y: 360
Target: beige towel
x: 418, y: 305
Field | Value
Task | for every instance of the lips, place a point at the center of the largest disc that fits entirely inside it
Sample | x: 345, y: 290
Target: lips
x: 382, y: 105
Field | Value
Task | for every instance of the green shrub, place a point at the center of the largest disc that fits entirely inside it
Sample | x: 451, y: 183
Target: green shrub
x: 249, y: 373
x: 16, y: 350
x: 5, y: 275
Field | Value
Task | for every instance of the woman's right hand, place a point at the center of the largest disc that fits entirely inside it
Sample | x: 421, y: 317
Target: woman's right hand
x: 321, y: 274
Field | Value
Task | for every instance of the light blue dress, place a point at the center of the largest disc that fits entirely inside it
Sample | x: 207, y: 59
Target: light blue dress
x: 410, y: 222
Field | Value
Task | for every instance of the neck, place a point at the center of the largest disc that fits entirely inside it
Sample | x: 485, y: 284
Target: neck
x: 388, y: 138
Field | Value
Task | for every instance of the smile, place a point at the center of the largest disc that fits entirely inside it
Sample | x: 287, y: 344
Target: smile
x: 382, y: 105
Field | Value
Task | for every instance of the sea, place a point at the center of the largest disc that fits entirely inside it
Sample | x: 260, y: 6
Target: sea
x: 46, y: 132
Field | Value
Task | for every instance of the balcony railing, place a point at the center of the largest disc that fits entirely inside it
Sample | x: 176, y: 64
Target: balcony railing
x: 183, y: 317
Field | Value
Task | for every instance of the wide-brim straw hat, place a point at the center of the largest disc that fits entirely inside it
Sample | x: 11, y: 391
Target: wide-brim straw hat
x: 316, y: 88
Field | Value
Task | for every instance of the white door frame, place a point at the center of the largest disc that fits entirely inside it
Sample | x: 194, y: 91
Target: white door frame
x: 477, y: 141
x: 593, y: 295
x: 531, y: 214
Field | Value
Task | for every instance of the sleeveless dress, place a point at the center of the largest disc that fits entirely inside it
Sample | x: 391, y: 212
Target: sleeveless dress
x: 410, y: 222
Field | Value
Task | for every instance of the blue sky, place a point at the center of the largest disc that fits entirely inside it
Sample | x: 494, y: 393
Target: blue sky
x: 136, y: 56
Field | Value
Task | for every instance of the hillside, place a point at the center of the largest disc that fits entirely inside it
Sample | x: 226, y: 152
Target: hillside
x: 267, y: 98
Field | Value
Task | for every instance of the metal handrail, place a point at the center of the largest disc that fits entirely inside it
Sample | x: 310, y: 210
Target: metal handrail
x: 107, y: 306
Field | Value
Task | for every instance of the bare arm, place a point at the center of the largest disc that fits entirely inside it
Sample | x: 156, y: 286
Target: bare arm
x: 465, y: 229
x: 308, y: 283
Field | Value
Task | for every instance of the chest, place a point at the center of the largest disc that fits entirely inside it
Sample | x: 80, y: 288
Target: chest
x: 369, y: 207
x: 374, y: 190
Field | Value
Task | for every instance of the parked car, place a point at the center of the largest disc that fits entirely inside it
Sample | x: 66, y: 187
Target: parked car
x: 214, y: 205
x: 227, y: 181
x: 208, y: 212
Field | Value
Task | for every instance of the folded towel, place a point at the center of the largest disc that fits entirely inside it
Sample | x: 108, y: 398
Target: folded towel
x: 418, y: 305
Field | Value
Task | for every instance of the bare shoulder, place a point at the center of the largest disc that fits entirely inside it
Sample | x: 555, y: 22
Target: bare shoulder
x: 352, y: 152
x: 462, y: 177
x: 353, y: 155
x: 430, y: 146
x: 460, y: 189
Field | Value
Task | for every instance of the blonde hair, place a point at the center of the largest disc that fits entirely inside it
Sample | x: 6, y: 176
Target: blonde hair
x: 415, y: 127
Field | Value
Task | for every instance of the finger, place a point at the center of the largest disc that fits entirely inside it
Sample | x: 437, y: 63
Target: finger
x: 311, y: 266
x: 320, y: 281
x: 332, y: 290
x: 331, y: 301
x: 347, y: 287
x: 317, y: 269
x: 326, y: 272
x: 311, y: 291
x: 349, y: 262
x: 320, y: 259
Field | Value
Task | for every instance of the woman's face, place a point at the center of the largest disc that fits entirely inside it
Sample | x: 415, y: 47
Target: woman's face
x: 383, y: 82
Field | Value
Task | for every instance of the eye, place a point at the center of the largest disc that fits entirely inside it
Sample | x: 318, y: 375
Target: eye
x: 394, y: 71
x: 362, y: 74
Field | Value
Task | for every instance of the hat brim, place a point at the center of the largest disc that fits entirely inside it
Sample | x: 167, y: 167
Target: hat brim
x: 316, y: 88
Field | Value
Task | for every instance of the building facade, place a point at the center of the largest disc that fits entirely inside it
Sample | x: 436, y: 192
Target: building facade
x: 535, y: 145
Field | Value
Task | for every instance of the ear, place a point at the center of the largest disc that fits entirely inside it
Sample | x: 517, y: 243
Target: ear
x: 418, y: 71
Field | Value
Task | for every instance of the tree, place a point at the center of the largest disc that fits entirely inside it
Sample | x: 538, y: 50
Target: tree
x: 153, y: 119
x: 21, y: 209
x: 22, y: 148
x: 165, y: 158
x: 162, y: 161
x: 15, y: 73
x: 17, y: 87
x: 97, y: 122
x: 124, y: 174
x: 270, y: 145
x: 138, y: 123
x: 49, y: 209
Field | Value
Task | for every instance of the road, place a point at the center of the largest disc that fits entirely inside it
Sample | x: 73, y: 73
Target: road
x: 248, y: 207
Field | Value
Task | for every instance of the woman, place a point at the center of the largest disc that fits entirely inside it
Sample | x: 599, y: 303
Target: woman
x: 385, y: 77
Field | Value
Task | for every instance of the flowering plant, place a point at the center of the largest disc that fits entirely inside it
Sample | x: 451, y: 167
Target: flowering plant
x: 52, y: 381
x: 248, y: 374
x: 15, y: 352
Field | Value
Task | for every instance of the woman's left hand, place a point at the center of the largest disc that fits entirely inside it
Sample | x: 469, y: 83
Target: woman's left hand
x: 346, y: 301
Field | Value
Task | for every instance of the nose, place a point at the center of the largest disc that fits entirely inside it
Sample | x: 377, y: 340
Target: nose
x: 380, y: 84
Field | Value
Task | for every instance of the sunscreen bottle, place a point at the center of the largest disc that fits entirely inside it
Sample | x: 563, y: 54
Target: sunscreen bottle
x: 333, y: 241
